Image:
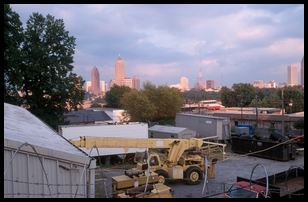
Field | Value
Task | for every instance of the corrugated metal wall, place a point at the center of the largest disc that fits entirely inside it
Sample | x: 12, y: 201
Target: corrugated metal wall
x: 25, y: 177
x: 205, y: 127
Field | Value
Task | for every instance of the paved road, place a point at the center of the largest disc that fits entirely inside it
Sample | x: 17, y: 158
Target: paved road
x: 226, y: 173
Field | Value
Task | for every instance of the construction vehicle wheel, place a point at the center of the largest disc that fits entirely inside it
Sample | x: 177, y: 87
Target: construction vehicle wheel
x: 193, y: 175
x: 162, y: 175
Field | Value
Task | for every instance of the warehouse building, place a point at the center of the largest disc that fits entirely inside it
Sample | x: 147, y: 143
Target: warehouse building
x: 205, y: 126
x: 40, y: 163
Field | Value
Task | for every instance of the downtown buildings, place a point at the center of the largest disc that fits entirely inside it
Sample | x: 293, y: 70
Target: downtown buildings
x: 302, y: 72
x: 292, y: 75
x: 183, y: 85
x: 120, y: 78
x: 96, y: 86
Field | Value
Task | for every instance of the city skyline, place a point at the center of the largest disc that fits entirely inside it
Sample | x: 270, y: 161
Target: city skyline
x: 160, y: 43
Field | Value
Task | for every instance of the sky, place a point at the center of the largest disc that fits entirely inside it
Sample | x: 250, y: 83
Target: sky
x: 160, y: 43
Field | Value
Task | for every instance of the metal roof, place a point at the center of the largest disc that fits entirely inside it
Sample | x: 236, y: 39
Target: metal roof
x: 22, y: 126
x: 86, y: 116
x: 167, y: 129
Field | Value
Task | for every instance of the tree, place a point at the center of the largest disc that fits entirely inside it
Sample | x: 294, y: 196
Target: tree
x: 194, y: 95
x: 138, y: 106
x: 44, y: 78
x: 228, y: 97
x: 245, y: 93
x: 167, y: 101
x: 293, y: 99
x: 13, y: 35
x: 115, y: 94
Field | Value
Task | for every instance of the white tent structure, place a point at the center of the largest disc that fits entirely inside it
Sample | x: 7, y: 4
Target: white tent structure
x: 38, y: 162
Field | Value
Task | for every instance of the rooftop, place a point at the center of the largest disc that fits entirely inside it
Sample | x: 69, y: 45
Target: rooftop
x: 22, y: 126
x: 167, y: 129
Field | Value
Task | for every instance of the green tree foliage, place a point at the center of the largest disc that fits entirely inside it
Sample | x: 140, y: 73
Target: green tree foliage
x: 241, y: 95
x: 194, y: 95
x: 153, y: 103
x: 244, y: 93
x: 138, y: 106
x: 42, y: 72
x: 228, y: 97
x: 293, y: 99
x: 114, y: 96
x: 13, y: 35
x: 167, y: 101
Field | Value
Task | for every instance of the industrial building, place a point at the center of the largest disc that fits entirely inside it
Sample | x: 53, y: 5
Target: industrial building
x: 160, y: 131
x: 39, y: 163
x: 205, y: 126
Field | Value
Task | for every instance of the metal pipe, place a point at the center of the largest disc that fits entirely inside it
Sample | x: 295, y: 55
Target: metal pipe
x: 266, y: 175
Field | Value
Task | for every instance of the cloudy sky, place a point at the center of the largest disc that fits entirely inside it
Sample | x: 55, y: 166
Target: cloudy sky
x: 161, y: 43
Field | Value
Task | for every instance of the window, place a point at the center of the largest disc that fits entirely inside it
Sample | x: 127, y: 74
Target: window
x: 154, y: 161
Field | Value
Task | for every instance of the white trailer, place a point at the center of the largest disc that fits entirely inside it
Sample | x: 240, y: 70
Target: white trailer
x: 132, y: 130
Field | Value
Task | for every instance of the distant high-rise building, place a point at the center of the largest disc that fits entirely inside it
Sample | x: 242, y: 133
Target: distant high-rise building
x: 302, y: 72
x: 103, y: 87
x: 184, y: 83
x: 119, y: 71
x: 292, y: 74
x: 95, y: 85
x: 210, y: 84
x: 119, y: 76
x: 136, y: 83
x: 128, y: 82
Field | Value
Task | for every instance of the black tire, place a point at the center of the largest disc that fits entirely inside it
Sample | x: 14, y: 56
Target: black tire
x: 162, y: 176
x: 193, y: 175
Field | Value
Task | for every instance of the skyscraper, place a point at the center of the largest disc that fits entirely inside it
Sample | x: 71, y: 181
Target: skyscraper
x: 119, y: 71
x: 95, y: 84
x: 184, y: 83
x: 292, y: 74
x: 103, y: 87
x: 302, y: 72
x: 210, y: 84
x: 136, y: 83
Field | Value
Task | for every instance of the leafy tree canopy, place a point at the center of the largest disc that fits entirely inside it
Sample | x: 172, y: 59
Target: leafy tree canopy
x: 114, y: 96
x: 38, y: 66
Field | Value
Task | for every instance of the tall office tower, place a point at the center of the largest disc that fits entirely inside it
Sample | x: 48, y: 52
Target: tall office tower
x: 95, y: 87
x: 184, y: 83
x: 136, y: 83
x: 119, y: 71
x: 210, y: 84
x: 103, y: 87
x: 302, y: 72
x: 292, y: 74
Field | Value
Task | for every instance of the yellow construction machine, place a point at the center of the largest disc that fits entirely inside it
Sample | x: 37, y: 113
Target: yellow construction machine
x: 170, y: 158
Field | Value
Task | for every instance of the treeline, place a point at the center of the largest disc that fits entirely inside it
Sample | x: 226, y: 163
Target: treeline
x: 246, y: 95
